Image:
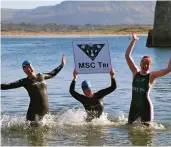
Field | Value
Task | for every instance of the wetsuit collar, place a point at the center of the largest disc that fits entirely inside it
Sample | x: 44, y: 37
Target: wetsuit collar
x: 32, y: 77
x: 145, y: 73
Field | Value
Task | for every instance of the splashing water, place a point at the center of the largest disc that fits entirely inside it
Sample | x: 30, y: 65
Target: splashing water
x: 75, y: 117
x: 70, y: 123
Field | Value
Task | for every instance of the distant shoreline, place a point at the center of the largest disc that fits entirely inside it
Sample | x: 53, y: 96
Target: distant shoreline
x: 61, y: 34
x: 55, y: 30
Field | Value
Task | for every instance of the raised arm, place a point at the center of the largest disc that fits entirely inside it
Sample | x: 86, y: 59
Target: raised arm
x: 13, y: 85
x: 76, y: 95
x: 106, y: 91
x: 56, y: 70
x: 156, y: 74
x: 128, y: 57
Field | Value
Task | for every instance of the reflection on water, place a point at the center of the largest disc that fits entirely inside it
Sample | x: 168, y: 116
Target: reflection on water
x: 140, y: 137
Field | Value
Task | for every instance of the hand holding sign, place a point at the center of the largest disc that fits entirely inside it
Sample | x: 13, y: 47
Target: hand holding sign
x: 112, y: 73
x: 134, y: 35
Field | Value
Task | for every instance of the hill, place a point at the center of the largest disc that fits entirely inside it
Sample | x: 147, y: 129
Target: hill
x: 85, y: 12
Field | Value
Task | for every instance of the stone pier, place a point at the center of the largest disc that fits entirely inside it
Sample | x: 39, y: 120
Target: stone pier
x: 160, y: 35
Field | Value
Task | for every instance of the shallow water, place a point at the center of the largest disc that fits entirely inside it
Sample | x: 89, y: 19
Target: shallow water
x: 65, y: 125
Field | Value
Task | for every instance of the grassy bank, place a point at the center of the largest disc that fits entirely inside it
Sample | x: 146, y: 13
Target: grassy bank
x: 71, y: 30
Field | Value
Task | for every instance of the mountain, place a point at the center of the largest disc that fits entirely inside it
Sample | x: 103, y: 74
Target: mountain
x: 85, y: 12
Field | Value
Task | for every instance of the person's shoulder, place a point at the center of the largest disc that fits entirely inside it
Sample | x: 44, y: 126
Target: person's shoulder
x: 96, y: 94
x: 152, y: 75
x: 136, y: 74
x: 40, y: 74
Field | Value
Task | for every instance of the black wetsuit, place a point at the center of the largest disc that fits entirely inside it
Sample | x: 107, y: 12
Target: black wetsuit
x: 93, y: 106
x: 37, y: 91
x: 141, y: 106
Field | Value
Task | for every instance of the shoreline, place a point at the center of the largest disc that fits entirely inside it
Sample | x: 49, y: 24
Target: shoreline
x: 60, y: 34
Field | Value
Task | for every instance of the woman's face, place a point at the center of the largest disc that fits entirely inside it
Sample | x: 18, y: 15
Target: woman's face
x: 145, y: 64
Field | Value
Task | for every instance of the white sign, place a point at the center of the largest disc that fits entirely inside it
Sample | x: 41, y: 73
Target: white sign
x: 92, y: 56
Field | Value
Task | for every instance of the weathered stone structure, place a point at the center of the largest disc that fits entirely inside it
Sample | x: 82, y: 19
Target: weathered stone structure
x: 160, y: 35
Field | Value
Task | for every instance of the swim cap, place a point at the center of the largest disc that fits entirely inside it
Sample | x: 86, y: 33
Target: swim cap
x: 146, y: 57
x: 85, y: 85
x: 25, y: 63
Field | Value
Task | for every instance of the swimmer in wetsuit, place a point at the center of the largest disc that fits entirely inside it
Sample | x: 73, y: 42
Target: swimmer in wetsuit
x: 92, y: 102
x: 36, y: 87
x: 141, y: 106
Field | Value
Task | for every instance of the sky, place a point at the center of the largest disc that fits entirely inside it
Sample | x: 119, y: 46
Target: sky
x: 28, y: 4
x: 31, y: 4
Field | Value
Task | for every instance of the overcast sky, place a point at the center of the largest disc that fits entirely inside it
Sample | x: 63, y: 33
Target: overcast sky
x: 27, y: 4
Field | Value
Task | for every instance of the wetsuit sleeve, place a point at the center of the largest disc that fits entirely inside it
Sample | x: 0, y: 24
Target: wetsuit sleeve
x: 100, y: 94
x: 13, y: 85
x: 53, y: 72
x: 81, y: 98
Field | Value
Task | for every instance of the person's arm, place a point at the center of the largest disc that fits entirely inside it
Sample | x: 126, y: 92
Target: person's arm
x: 75, y: 94
x: 128, y: 57
x: 54, y: 72
x: 72, y: 91
x: 156, y: 74
x: 13, y: 85
x: 100, y: 94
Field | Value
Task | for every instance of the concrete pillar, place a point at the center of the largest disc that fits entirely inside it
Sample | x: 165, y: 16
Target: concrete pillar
x: 160, y: 35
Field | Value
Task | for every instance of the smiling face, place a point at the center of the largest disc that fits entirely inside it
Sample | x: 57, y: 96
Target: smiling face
x: 145, y: 64
x: 88, y: 93
x: 29, y: 70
